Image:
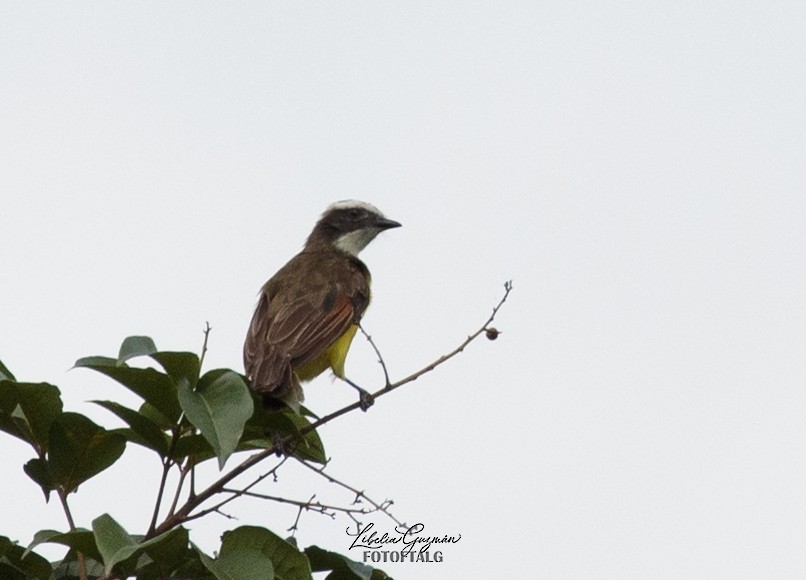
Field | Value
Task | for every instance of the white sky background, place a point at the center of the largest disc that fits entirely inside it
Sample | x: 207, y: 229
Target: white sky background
x: 637, y: 171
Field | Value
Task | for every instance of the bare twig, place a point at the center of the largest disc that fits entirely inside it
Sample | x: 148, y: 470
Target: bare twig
x: 183, y: 472
x: 228, y: 516
x: 378, y: 353
x: 360, y: 496
x: 294, y: 527
x: 207, y: 329
x: 183, y: 514
x: 166, y: 468
x: 328, y: 510
x: 237, y: 493
x: 454, y: 352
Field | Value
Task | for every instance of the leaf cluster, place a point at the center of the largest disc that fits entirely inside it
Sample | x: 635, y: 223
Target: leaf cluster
x: 185, y: 418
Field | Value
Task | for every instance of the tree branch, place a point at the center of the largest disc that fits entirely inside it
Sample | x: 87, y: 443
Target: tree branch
x: 414, y: 376
x: 238, y: 493
x: 183, y: 472
x: 360, y: 495
x: 185, y: 513
x: 166, y: 468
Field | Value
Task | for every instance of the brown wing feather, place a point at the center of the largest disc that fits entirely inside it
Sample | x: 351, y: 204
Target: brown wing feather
x: 303, y: 330
x: 263, y: 367
x: 302, y: 310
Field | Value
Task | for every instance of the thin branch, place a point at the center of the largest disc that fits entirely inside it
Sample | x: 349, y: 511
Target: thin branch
x: 183, y: 472
x: 207, y: 329
x: 167, y: 463
x: 190, y: 462
x: 166, y: 468
x: 428, y: 368
x: 359, y: 494
x: 237, y: 493
x: 295, y: 526
x: 228, y: 516
x: 185, y: 513
x: 378, y: 353
x: 414, y: 376
x: 311, y: 505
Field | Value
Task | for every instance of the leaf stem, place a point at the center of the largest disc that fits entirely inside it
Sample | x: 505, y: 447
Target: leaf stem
x: 166, y: 468
x: 82, y: 564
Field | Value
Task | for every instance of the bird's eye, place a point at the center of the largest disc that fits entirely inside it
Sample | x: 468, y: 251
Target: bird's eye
x: 355, y: 213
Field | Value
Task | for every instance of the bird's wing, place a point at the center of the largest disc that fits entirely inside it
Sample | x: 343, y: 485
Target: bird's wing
x: 303, y: 329
x: 290, y: 327
x: 266, y: 370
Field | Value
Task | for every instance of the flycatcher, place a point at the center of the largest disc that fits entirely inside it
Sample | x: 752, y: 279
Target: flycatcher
x: 309, y: 311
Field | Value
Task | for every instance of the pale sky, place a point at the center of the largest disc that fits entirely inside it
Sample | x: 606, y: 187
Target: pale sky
x: 638, y: 170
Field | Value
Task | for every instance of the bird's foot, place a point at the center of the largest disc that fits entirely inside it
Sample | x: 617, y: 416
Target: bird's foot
x: 365, y: 400
x: 282, y: 444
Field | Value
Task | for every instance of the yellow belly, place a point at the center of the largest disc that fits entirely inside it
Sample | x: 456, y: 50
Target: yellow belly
x: 332, y: 358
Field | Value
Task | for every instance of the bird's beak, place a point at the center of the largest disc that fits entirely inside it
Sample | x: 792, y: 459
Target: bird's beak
x: 386, y: 224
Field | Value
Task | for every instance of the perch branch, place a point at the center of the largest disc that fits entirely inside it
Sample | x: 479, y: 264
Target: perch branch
x: 416, y: 375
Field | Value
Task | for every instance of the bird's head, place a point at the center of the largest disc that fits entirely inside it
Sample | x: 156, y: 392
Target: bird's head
x: 349, y: 226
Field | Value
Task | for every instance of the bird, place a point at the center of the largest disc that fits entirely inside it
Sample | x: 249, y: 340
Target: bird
x: 309, y: 311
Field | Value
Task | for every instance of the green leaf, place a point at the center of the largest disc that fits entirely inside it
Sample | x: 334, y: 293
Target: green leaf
x: 80, y: 540
x: 311, y: 447
x: 343, y: 567
x: 219, y: 408
x: 130, y: 436
x: 8, y: 572
x: 117, y: 547
x: 27, y: 411
x: 250, y: 552
x: 306, y: 412
x: 191, y: 567
x: 148, y: 411
x: 37, y: 469
x: 195, y: 445
x: 80, y: 449
x: 180, y: 366
x: 26, y: 564
x: 5, y: 374
x: 114, y: 543
x: 170, y: 549
x: 154, y: 387
x: 270, y: 425
x: 149, y: 433
x: 226, y: 571
x: 134, y: 346
x: 68, y: 568
x: 289, y: 563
